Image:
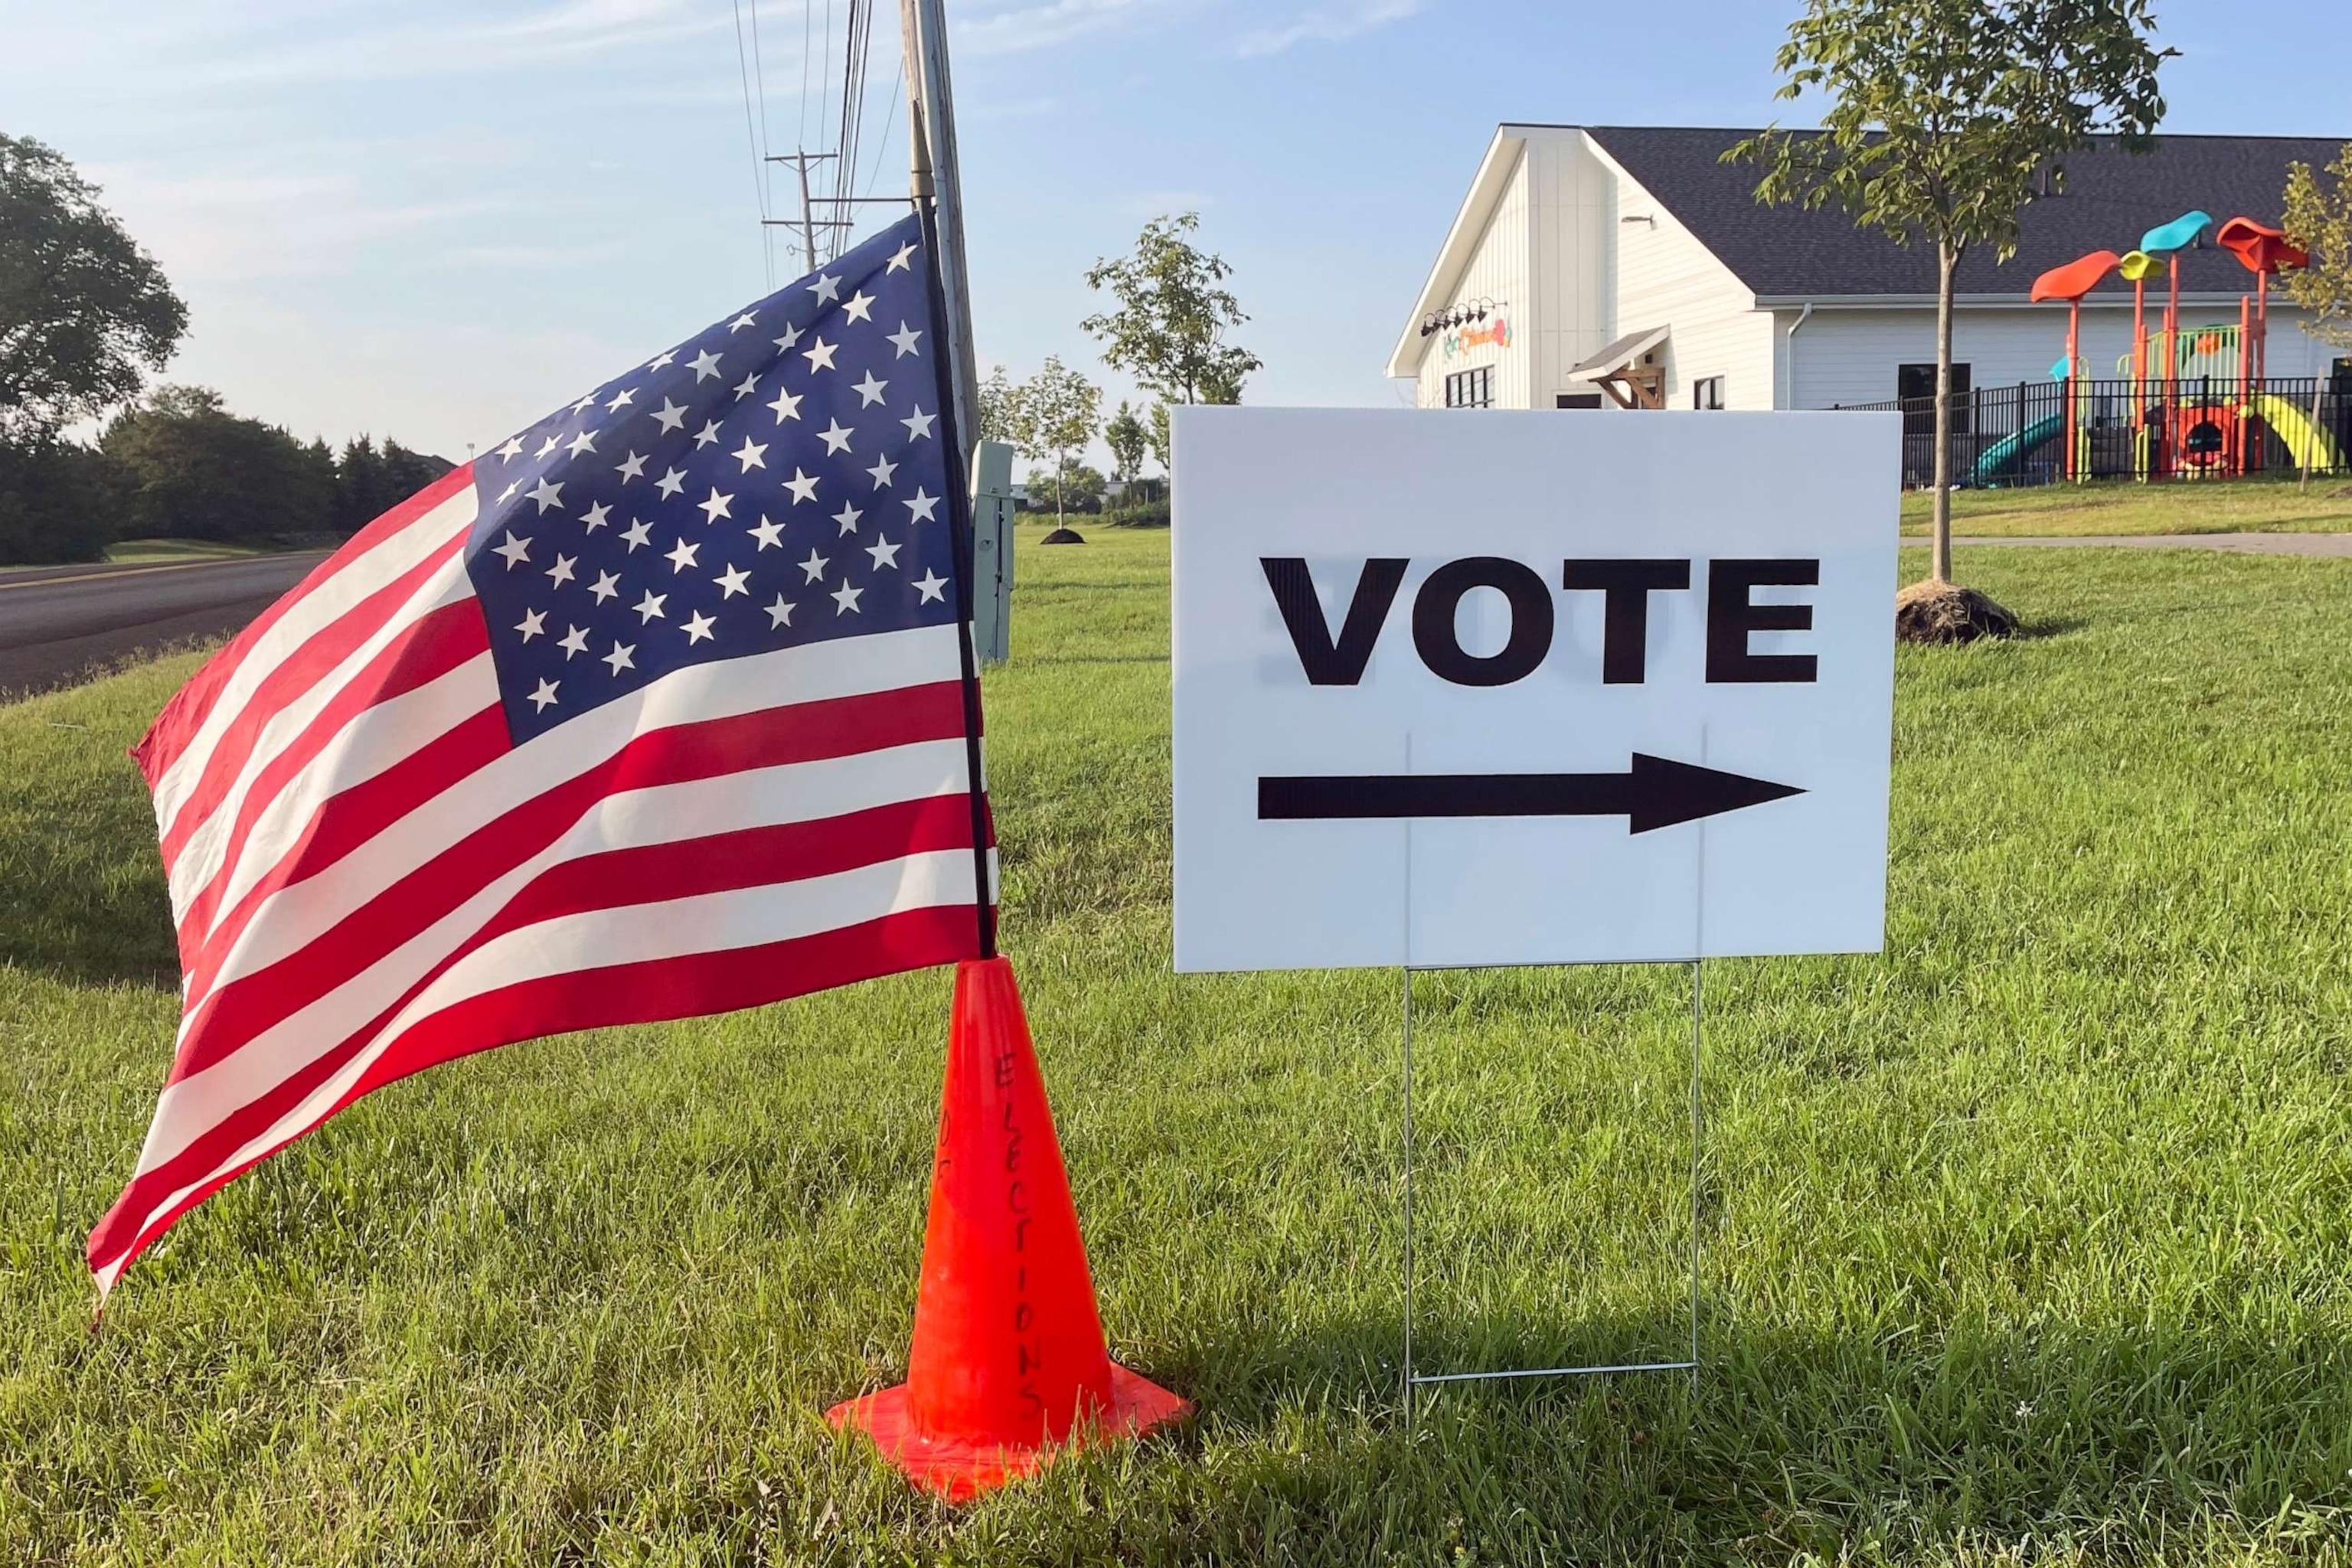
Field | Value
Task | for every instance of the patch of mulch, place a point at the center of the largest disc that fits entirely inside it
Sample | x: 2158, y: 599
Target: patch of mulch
x: 1064, y: 536
x: 1939, y: 612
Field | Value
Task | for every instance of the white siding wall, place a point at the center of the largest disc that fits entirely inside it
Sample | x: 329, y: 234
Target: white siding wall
x: 1665, y: 277
x: 1499, y: 269
x: 1847, y: 356
x: 1573, y: 207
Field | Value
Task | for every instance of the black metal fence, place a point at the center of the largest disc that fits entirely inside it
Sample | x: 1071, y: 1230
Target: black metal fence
x: 2198, y: 427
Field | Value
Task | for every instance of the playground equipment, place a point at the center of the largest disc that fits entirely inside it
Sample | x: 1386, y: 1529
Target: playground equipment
x: 2198, y: 406
x: 2070, y: 283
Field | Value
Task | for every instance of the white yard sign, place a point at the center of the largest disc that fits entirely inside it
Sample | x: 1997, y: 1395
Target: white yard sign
x: 1531, y: 688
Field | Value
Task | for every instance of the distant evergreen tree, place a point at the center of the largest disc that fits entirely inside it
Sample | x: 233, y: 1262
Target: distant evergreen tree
x: 194, y: 470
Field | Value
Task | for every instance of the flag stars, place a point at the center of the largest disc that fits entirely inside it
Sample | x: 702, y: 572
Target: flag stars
x: 750, y: 454
x: 858, y: 307
x: 767, y: 533
x: 621, y: 400
x: 639, y: 532
x: 534, y: 624
x: 547, y: 446
x: 631, y: 467
x: 882, y: 469
x: 620, y: 658
x: 671, y: 483
x: 844, y: 600
x: 747, y: 386
x: 669, y: 415
x: 516, y: 551
x: 511, y: 451
x: 918, y: 424
x: 904, y: 340
x: 742, y: 321
x: 787, y: 406
x: 802, y: 485
x: 819, y: 354
x: 561, y: 573
x: 583, y: 403
x: 827, y: 287
x: 900, y: 259
x: 836, y: 437
x: 732, y: 581
x: 545, y: 494
x: 847, y: 517
x: 716, y: 506
x: 932, y: 587
x: 543, y: 696
x: 885, y: 554
x: 682, y: 556
x: 573, y: 642
x: 814, y: 566
x: 869, y: 391
x: 780, y: 613
x: 664, y: 361
x: 698, y: 628
x: 583, y: 442
x: 607, y: 585
x: 790, y: 339
x: 708, y: 436
x: 705, y: 367
x: 920, y: 506
x: 598, y: 514
x: 649, y: 609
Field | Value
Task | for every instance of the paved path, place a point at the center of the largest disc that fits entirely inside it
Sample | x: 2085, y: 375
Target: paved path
x: 2241, y: 543
x: 58, y: 624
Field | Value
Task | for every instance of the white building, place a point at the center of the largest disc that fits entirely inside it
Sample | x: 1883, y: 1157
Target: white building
x: 1584, y: 251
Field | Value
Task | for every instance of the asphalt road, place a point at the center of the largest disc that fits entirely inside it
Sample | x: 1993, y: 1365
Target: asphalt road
x: 60, y: 625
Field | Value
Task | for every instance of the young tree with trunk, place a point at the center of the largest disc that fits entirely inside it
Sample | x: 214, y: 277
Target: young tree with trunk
x: 1126, y: 439
x: 1943, y: 118
x: 1055, y: 413
x: 1174, y: 310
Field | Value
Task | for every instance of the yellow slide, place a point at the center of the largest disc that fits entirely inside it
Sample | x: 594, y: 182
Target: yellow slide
x: 2309, y: 442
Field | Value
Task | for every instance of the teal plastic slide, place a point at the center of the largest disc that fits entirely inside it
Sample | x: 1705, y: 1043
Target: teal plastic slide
x: 2001, y: 460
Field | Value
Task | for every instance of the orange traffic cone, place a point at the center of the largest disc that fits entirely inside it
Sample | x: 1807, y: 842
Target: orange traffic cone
x: 1008, y: 1361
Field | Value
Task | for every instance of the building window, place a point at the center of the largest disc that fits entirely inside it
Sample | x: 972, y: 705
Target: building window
x: 1915, y: 385
x: 1576, y: 400
x: 1707, y: 392
x: 1471, y: 388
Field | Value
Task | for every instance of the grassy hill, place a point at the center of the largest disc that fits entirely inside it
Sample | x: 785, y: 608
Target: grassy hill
x: 2024, y: 1241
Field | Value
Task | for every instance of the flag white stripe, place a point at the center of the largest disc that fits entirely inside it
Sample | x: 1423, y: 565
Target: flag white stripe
x: 849, y: 666
x: 602, y: 939
x: 661, y: 813
x: 318, y: 609
x: 200, y: 857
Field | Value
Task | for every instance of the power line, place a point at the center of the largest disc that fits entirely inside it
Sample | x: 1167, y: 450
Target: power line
x: 751, y: 140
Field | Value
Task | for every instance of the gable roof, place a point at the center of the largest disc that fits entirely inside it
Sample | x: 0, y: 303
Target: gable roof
x: 2111, y: 198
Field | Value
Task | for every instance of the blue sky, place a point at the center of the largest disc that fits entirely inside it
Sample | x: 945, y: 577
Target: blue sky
x: 439, y: 219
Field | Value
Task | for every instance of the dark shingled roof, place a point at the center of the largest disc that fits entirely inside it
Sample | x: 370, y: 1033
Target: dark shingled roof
x: 2111, y: 198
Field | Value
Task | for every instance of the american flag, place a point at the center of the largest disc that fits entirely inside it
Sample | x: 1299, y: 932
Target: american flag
x: 662, y: 708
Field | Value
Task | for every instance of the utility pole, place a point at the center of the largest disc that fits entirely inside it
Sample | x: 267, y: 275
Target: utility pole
x: 932, y: 145
x: 800, y: 163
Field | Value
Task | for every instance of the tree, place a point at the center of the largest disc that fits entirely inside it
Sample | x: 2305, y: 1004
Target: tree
x: 1128, y: 439
x: 1943, y: 117
x: 56, y: 501
x: 196, y: 471
x: 998, y: 413
x: 1173, y: 309
x: 1055, y: 414
x: 1158, y: 438
x: 2319, y: 218
x: 82, y: 308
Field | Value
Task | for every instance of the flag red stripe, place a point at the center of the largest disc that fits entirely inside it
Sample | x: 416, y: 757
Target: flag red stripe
x: 720, y: 863
x: 426, y: 650
x: 809, y: 732
x: 628, y: 994
x: 295, y: 675
x: 183, y: 716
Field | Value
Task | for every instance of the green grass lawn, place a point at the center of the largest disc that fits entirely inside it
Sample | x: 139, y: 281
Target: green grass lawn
x: 2125, y: 506
x: 2027, y: 1241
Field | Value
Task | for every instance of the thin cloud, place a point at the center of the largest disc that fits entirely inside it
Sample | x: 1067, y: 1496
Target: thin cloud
x: 1026, y: 27
x: 1327, y: 26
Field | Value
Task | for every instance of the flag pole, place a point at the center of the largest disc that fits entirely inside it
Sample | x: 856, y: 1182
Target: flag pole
x: 932, y: 185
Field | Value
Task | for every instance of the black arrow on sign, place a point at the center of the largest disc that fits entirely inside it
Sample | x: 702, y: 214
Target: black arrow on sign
x: 1655, y: 792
